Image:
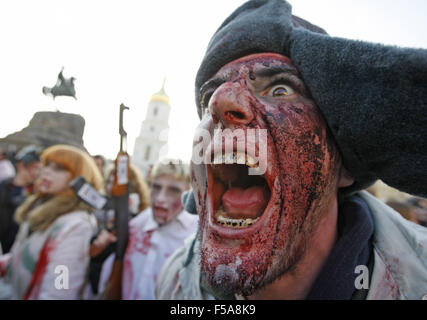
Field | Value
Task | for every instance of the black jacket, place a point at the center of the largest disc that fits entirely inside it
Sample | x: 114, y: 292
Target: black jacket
x: 11, y: 197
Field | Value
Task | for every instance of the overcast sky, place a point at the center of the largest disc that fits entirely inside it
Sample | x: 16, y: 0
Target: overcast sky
x: 119, y: 52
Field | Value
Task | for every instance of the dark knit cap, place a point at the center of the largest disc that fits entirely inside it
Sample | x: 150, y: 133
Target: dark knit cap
x: 373, y: 97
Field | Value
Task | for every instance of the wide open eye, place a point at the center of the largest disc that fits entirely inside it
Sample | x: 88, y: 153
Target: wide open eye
x: 281, y: 90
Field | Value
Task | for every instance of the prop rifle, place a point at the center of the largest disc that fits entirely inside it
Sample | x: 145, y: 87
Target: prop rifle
x: 90, y: 196
x: 120, y: 191
x: 120, y: 194
x: 119, y: 202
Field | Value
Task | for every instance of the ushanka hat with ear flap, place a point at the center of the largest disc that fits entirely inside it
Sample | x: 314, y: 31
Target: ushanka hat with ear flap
x: 373, y: 97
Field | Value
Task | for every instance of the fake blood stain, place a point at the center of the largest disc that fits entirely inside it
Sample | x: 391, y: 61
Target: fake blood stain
x: 301, y: 169
x: 33, y: 290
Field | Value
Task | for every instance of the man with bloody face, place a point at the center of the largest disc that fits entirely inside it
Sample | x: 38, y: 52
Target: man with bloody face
x: 300, y: 229
x: 297, y: 193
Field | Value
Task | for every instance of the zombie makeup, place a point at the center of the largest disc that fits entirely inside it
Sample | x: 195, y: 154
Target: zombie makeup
x: 166, y: 194
x: 255, y: 228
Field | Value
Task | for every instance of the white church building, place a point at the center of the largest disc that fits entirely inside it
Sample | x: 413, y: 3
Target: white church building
x: 151, y: 144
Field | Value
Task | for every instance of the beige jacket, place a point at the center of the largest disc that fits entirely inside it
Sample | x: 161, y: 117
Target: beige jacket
x: 400, y: 261
x: 48, y: 264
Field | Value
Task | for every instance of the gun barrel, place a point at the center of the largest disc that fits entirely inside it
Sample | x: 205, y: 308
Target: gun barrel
x: 122, y: 131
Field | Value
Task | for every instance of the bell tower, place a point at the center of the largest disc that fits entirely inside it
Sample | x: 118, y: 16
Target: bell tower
x: 153, y: 135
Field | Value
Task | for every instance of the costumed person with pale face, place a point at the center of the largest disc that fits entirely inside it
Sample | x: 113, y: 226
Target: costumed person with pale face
x: 103, y: 244
x: 338, y: 115
x: 55, y: 229
x: 156, y: 232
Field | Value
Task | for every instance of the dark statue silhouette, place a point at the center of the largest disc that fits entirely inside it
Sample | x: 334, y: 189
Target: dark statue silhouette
x: 63, y: 87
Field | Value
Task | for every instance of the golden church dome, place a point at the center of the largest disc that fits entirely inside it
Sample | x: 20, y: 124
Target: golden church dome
x: 161, y: 95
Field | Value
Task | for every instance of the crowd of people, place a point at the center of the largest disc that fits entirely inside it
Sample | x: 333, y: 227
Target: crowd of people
x: 46, y: 225
x: 339, y: 115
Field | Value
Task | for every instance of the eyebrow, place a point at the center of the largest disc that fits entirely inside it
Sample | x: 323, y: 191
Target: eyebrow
x: 272, y: 71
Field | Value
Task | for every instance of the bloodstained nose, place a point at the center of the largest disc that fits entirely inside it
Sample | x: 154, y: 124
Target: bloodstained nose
x: 230, y: 104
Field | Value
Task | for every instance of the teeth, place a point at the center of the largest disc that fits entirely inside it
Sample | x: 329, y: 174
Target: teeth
x: 251, y: 162
x: 233, y: 223
x: 235, y: 157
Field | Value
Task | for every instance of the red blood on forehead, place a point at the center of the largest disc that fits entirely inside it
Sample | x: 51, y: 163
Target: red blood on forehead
x: 261, y: 58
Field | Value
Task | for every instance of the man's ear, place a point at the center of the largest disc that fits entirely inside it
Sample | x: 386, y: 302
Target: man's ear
x: 345, y: 179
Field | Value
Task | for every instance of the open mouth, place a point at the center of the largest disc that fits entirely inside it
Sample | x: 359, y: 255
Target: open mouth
x: 237, y: 198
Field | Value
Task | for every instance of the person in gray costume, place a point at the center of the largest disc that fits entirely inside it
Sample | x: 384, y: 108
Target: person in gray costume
x: 339, y: 114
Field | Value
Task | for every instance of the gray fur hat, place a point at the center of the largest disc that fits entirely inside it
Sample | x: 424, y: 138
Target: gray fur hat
x: 373, y: 97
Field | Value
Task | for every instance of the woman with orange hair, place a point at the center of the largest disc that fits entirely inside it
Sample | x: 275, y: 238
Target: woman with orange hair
x: 50, y: 256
